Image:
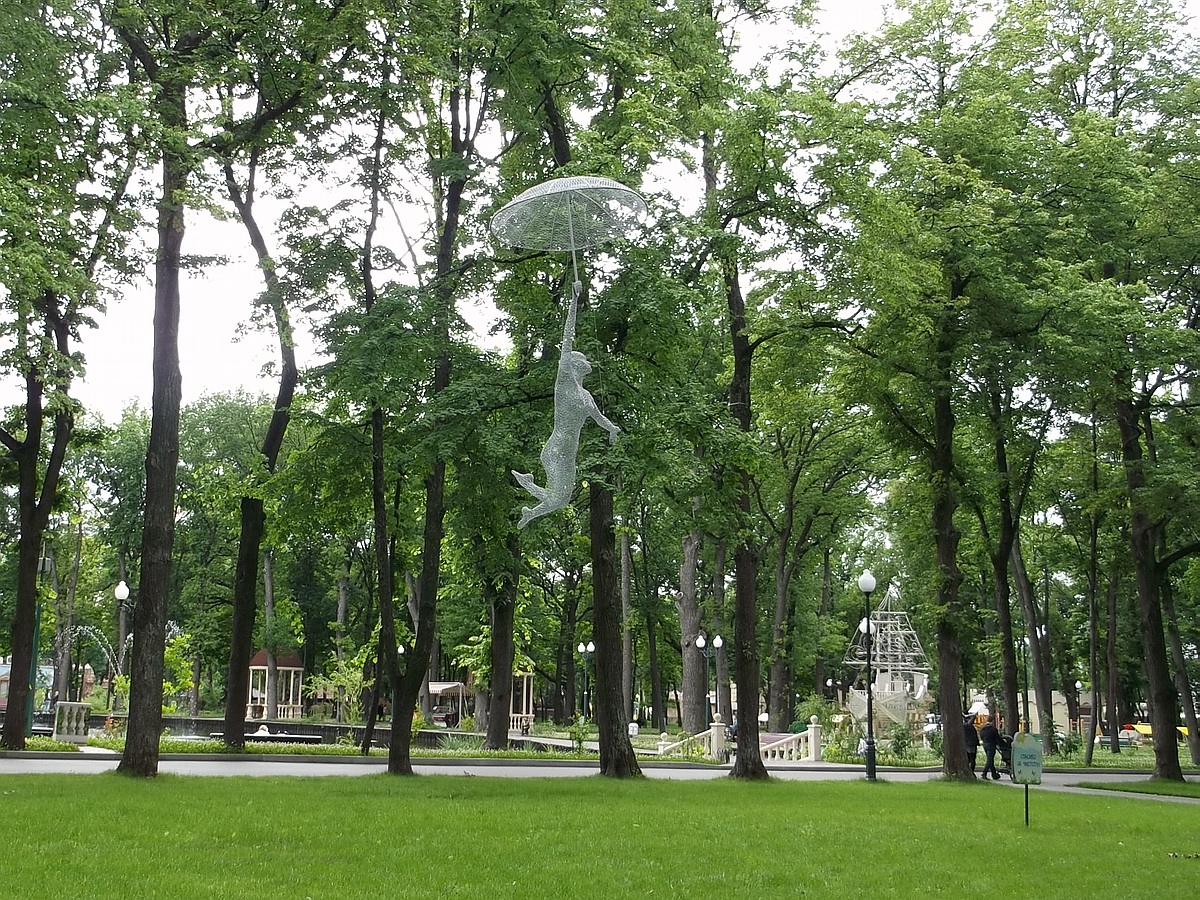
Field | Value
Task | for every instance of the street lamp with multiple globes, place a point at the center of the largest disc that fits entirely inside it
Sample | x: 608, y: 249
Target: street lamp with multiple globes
x: 866, y: 584
x: 709, y: 651
x: 586, y: 652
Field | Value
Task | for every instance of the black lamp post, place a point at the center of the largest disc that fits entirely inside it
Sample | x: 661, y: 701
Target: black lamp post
x: 709, y: 651
x: 586, y: 652
x: 866, y: 584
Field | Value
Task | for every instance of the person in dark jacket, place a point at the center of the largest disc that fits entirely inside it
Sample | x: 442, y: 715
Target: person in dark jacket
x: 971, y: 738
x: 989, y: 734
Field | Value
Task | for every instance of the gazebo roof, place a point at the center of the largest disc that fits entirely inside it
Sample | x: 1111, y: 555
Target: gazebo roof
x: 288, y: 660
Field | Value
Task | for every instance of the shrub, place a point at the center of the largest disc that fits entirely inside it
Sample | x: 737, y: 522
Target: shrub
x: 578, y: 730
x: 467, y: 723
x: 41, y: 744
x: 815, y: 705
x: 460, y: 743
x: 901, y: 738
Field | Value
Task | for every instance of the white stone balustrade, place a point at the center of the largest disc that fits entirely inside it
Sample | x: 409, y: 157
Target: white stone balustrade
x: 803, y: 747
x: 71, y: 722
x: 709, y: 743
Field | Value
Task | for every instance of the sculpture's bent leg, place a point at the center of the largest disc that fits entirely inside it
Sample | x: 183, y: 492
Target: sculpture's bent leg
x: 525, y: 480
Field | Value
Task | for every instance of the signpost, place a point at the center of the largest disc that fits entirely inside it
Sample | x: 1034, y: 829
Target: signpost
x: 1027, y: 764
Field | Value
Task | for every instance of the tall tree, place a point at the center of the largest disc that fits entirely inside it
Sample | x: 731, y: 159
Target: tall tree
x: 63, y: 175
x: 183, y: 54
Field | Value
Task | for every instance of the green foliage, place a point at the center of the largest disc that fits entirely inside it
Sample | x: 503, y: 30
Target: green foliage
x: 815, y: 705
x: 177, y: 672
x: 901, y: 739
x: 460, y: 743
x: 283, y: 631
x: 38, y: 744
x: 344, y: 682
x: 935, y: 743
x: 578, y: 729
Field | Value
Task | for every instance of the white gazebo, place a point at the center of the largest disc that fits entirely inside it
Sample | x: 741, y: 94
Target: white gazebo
x: 289, y: 680
x: 520, y: 716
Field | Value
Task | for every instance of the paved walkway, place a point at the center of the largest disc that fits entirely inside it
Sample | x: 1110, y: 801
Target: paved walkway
x: 93, y: 761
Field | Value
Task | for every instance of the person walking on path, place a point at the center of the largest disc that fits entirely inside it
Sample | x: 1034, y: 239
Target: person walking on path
x: 971, y: 738
x: 990, y: 735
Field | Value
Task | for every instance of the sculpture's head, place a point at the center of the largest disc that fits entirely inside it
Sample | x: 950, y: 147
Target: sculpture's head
x: 579, y: 363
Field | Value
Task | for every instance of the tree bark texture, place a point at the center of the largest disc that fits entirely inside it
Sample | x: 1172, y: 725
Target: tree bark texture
x: 144, y: 725
x: 617, y: 758
x: 695, y: 691
x: 34, y: 503
x: 1034, y: 624
x: 626, y: 625
x: 946, y: 536
x: 253, y: 514
x: 748, y: 764
x: 501, y: 593
x: 1142, y: 539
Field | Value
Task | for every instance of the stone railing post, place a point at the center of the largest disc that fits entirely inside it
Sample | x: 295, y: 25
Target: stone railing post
x: 814, y: 740
x: 718, y: 738
x: 663, y: 743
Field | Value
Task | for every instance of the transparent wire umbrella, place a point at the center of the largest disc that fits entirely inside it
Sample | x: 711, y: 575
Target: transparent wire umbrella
x: 567, y: 214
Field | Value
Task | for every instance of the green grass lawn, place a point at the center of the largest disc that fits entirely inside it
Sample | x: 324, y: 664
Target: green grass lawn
x: 1165, y: 788
x: 380, y: 836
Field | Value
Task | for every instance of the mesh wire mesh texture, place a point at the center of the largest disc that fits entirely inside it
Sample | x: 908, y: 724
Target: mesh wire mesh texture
x: 568, y: 214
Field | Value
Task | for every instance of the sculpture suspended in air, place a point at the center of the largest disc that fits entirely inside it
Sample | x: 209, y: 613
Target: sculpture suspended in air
x: 566, y: 214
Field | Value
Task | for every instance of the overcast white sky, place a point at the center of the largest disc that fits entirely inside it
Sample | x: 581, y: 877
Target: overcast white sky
x: 213, y: 357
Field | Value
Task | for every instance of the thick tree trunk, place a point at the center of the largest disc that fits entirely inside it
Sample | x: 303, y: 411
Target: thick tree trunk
x: 1036, y: 658
x: 24, y: 657
x: 946, y: 536
x: 272, y: 705
x: 400, y: 749
x: 617, y: 758
x: 245, y: 607
x: 501, y: 593
x: 500, y: 696
x: 144, y: 725
x: 695, y: 691
x: 724, y: 693
x: 748, y: 763
x: 1110, y: 659
x: 1142, y: 539
x: 1182, y: 685
x: 1007, y: 535
x: 626, y: 625
x: 34, y: 504
x: 658, y: 699
x: 253, y: 514
x: 780, y: 708
x: 388, y: 658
